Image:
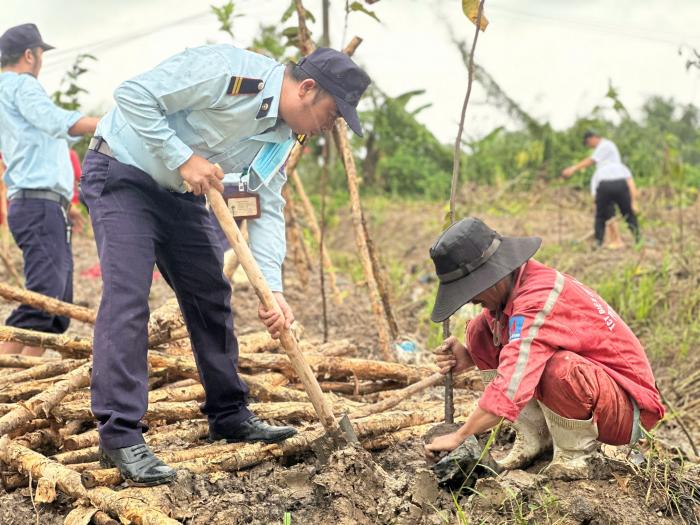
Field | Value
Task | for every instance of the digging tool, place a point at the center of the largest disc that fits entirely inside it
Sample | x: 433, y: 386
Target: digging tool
x: 339, y: 432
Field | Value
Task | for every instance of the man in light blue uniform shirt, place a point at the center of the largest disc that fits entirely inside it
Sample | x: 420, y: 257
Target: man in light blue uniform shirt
x: 34, y: 135
x: 201, y: 113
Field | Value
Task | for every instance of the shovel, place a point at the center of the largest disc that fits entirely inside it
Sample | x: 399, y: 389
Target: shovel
x: 339, y: 433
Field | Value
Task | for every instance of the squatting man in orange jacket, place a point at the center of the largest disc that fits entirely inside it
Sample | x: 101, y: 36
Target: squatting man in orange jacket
x: 557, y: 361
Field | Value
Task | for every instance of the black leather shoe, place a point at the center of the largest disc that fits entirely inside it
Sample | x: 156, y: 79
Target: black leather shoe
x: 252, y: 429
x: 137, y: 464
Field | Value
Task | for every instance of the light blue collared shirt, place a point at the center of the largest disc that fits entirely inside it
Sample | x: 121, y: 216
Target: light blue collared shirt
x: 182, y: 106
x: 34, y: 137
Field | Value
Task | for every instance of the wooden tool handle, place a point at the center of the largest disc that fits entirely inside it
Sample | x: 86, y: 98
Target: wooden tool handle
x: 262, y: 290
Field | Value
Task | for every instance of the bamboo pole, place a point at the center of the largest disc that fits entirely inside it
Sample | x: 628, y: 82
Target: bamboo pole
x: 301, y: 367
x: 42, y: 404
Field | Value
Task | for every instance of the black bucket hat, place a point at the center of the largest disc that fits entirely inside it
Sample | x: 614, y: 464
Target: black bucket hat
x: 469, y: 258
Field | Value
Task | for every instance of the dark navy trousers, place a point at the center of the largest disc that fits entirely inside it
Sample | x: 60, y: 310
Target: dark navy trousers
x: 40, y: 229
x: 137, y: 224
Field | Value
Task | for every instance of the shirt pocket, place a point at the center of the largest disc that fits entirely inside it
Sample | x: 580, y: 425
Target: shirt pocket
x: 222, y: 128
x: 205, y: 127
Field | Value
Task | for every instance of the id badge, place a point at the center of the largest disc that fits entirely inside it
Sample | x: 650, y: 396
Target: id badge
x: 242, y: 204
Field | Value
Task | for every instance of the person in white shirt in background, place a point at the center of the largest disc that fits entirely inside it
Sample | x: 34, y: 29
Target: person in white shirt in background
x: 611, y: 185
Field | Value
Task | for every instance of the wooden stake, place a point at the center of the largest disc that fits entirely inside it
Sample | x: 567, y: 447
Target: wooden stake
x: 382, y: 284
x: 340, y: 131
x: 400, y: 396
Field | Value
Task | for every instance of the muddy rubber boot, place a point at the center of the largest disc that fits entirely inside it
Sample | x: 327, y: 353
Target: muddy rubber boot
x: 532, y: 438
x: 576, y: 454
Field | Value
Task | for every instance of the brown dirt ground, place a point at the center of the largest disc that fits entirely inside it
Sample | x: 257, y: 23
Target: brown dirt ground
x: 392, y: 486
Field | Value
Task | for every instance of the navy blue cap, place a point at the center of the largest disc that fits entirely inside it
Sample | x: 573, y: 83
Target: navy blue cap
x: 18, y: 39
x: 344, y: 80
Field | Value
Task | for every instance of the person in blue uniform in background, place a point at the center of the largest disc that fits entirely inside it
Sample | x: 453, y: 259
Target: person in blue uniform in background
x: 202, y: 113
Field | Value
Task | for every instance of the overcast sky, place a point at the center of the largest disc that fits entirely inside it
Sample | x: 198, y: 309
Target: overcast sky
x: 554, y: 57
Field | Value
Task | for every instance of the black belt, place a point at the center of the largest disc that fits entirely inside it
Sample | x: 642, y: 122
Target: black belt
x: 46, y: 195
x: 100, y: 145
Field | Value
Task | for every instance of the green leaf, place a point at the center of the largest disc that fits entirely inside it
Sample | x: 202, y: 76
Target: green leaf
x: 309, y: 15
x: 357, y: 6
x: 289, y: 12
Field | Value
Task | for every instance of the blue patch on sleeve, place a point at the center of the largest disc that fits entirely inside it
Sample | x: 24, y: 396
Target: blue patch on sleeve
x: 515, y: 327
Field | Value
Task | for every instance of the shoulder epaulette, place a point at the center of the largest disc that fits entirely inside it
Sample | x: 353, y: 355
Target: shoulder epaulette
x: 245, y: 86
